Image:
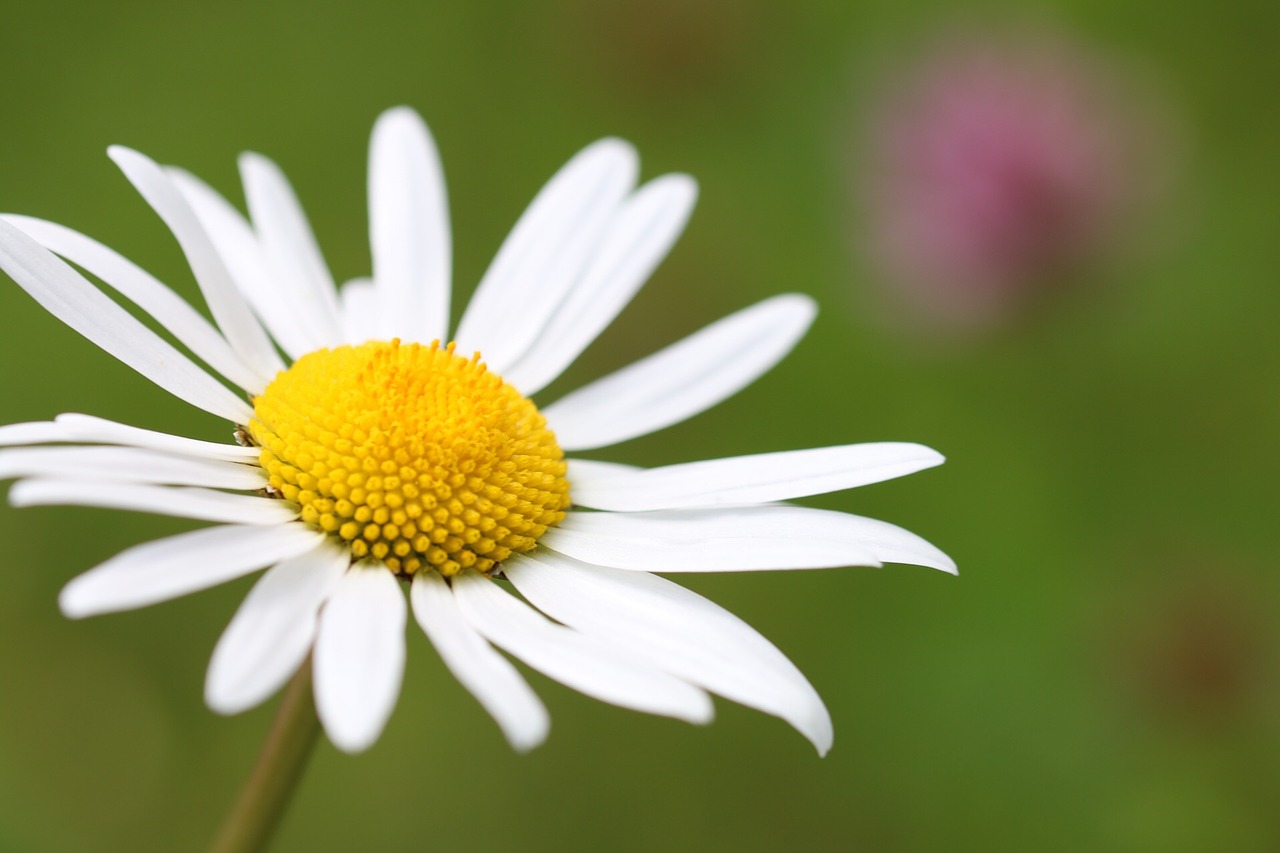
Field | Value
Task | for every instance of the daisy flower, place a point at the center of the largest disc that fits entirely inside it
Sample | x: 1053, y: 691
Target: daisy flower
x: 370, y: 456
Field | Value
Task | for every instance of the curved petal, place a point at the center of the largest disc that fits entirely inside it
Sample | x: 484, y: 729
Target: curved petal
x: 228, y: 307
x: 639, y: 236
x: 129, y: 465
x: 95, y: 430
x: 138, y: 286
x: 200, y: 504
x: 676, y: 630
x: 32, y: 432
x: 67, y: 295
x: 739, y: 480
x: 291, y: 319
x: 546, y: 252
x: 359, y: 656
x: 728, y: 539
x: 409, y: 229
x: 588, y: 665
x: 684, y: 379
x: 168, y: 568
x: 288, y: 241
x: 488, y: 675
x: 271, y: 633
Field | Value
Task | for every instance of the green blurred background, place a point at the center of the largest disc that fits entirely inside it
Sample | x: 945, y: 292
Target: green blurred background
x: 1101, y: 676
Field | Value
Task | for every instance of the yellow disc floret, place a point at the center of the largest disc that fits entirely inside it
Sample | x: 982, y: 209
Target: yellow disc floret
x: 412, y: 455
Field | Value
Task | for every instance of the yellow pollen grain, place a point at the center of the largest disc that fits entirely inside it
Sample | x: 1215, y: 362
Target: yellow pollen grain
x: 412, y: 454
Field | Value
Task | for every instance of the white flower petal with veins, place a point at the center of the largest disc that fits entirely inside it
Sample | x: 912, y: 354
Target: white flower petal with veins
x: 66, y: 294
x: 545, y: 253
x: 686, y: 378
x: 182, y: 564
x: 287, y: 240
x: 359, y: 656
x: 409, y: 229
x: 491, y: 679
x: 596, y: 668
x: 273, y: 630
x: 676, y: 630
x: 138, y: 286
x: 763, y: 478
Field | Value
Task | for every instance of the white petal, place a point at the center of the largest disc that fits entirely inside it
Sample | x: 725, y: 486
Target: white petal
x: 684, y: 379
x: 545, y: 253
x: 228, y: 307
x: 94, y: 430
x: 746, y: 479
x: 729, y: 539
x: 168, y: 568
x: 200, y: 504
x: 149, y: 294
x: 66, y: 294
x: 273, y: 630
x: 359, y: 311
x: 748, y: 538
x: 288, y: 241
x: 359, y: 656
x: 676, y: 630
x: 289, y: 318
x: 129, y: 465
x: 588, y: 665
x: 409, y: 228
x: 488, y: 675
x: 640, y: 235
x: 33, y: 432
x: 892, y: 544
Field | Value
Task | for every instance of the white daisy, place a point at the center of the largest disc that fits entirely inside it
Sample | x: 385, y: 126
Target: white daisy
x: 371, y: 455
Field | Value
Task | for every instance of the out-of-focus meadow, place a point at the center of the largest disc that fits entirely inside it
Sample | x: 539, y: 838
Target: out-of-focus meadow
x: 1104, y: 674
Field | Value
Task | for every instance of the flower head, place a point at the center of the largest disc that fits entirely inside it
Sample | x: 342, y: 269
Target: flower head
x: 370, y: 453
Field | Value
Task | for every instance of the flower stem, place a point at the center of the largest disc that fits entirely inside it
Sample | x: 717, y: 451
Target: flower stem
x: 283, y: 757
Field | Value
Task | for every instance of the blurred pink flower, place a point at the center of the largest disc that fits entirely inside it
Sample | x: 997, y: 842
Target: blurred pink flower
x: 997, y: 170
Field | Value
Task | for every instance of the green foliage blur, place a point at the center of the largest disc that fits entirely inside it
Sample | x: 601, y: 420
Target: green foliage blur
x: 1103, y: 675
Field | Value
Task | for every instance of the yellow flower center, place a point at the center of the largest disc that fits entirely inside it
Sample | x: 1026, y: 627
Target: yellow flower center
x: 411, y: 454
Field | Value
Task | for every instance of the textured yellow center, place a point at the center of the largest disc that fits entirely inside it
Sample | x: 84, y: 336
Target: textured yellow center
x: 412, y: 455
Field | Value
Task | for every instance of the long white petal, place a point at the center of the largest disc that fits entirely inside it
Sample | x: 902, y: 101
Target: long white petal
x: 588, y: 665
x: 359, y: 311
x: 289, y: 319
x: 409, y: 228
x: 684, y: 379
x: 676, y: 630
x: 742, y: 480
x: 729, y: 539
x: 200, y: 504
x: 488, y: 675
x: 287, y: 239
x: 359, y: 656
x: 144, y: 290
x: 32, y: 432
x: 893, y: 544
x: 546, y: 252
x: 640, y: 235
x: 168, y: 568
x: 271, y: 633
x: 94, y: 430
x: 129, y: 465
x: 228, y: 307
x: 67, y: 295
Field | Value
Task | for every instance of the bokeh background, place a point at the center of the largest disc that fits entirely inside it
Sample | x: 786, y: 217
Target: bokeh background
x: 1103, y: 675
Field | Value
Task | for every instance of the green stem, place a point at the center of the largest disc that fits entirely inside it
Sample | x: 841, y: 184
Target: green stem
x: 265, y: 796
